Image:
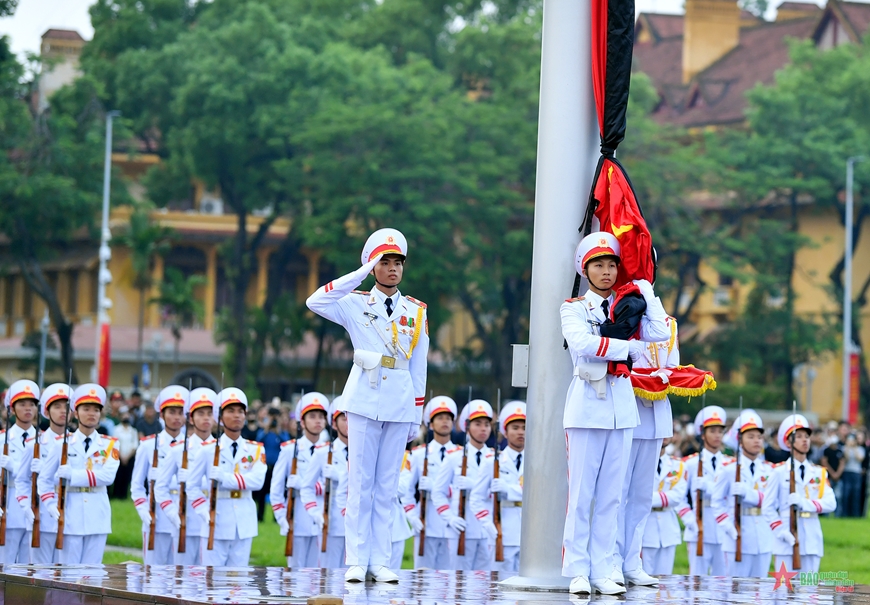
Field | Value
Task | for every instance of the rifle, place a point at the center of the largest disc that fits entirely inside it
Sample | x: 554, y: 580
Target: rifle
x: 327, y: 495
x: 460, y: 550
x: 212, y: 504
x: 738, y: 555
x: 496, y: 505
x: 793, y: 516
x: 4, y: 479
x: 34, y: 494
x: 699, y: 504
x: 291, y: 503
x: 422, y: 548
x: 61, y: 490
x: 182, y: 487
x: 152, y: 500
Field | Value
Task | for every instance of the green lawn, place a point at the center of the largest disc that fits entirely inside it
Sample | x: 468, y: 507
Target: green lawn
x: 845, y: 544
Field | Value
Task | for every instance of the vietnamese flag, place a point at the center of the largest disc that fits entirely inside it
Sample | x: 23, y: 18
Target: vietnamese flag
x: 105, y: 362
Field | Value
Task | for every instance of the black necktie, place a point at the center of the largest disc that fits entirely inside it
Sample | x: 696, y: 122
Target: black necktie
x: 23, y: 439
x: 605, y: 306
x: 752, y: 468
x: 235, y: 447
x: 478, y: 458
x: 87, y: 444
x: 714, y: 463
x: 660, y: 467
x: 345, y: 455
x: 172, y: 442
x: 802, y: 472
x: 519, y: 460
x: 312, y: 450
x: 443, y: 451
x: 389, y: 305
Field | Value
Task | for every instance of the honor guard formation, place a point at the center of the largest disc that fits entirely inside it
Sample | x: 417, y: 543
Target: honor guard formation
x: 353, y: 500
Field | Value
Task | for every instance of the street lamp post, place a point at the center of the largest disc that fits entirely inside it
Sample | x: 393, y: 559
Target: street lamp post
x: 44, y: 326
x: 847, y: 283
x: 104, y: 277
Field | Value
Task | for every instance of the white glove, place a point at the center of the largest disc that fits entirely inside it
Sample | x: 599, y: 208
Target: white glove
x: 51, y: 509
x: 691, y: 526
x: 460, y: 482
x: 6, y: 462
x: 182, y: 474
x: 36, y: 465
x: 729, y: 529
x: 216, y: 473
x: 293, y: 481
x: 490, y: 529
x: 317, y: 515
x: 804, y: 504
x: 782, y: 532
x: 645, y: 288
x: 64, y: 471
x: 330, y: 472
x: 203, y: 512
x: 702, y: 483
x: 498, y: 485
x: 172, y: 516
x: 144, y: 513
x: 425, y: 484
x: 738, y: 489
x: 456, y: 522
x: 28, y: 518
x: 636, y: 349
x: 414, y: 520
x: 283, y: 525
x: 152, y: 474
x: 413, y: 432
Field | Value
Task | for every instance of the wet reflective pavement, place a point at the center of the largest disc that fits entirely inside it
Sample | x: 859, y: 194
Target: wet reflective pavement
x: 134, y: 583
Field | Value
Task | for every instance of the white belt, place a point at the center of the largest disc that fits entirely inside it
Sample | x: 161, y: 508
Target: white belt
x: 101, y: 489
x: 371, y: 363
x: 234, y: 494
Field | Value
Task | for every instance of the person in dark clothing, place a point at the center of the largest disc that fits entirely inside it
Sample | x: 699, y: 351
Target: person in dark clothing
x: 251, y: 429
x: 271, y: 437
x: 149, y: 424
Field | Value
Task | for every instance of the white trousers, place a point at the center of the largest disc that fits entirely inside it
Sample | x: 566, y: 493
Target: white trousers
x: 333, y: 558
x: 227, y: 553
x: 752, y: 566
x: 809, y: 563
x: 17, y: 548
x: 511, y: 561
x: 640, y: 477
x: 711, y: 563
x: 659, y: 561
x: 478, y: 554
x: 165, y: 547
x: 397, y: 553
x: 436, y: 555
x: 596, y: 465
x: 46, y: 554
x: 306, y: 552
x: 83, y: 550
x: 375, y: 454
x: 192, y: 554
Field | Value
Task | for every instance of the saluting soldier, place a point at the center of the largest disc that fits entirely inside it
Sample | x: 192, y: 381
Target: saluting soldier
x: 312, y: 487
x: 241, y: 471
x: 813, y: 496
x: 710, y: 428
x: 169, y: 405
x: 311, y: 413
x: 475, y: 421
x: 199, y: 410
x: 600, y: 413
x: 508, y: 488
x: 92, y: 462
x: 661, y: 533
x: 438, y: 415
x: 756, y: 492
x: 53, y: 403
x: 22, y: 399
x: 384, y: 394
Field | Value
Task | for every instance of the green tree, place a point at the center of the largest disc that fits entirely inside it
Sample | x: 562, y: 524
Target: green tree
x: 145, y: 240
x: 180, y: 304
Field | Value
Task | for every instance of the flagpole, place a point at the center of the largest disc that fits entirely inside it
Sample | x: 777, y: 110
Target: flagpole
x: 568, y: 142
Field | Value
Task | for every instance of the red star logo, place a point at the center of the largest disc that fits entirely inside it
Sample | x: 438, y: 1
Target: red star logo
x: 783, y: 576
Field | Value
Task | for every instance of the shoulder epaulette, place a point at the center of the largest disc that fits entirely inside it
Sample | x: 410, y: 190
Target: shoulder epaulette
x: 365, y: 292
x: 179, y: 442
x: 778, y: 464
x: 458, y: 448
x: 147, y: 438
x: 29, y: 439
x: 286, y: 443
x: 728, y: 462
x: 490, y: 455
x: 414, y: 449
x: 690, y: 456
x: 415, y: 301
x: 253, y: 442
x: 576, y: 299
x: 209, y: 442
x: 320, y: 445
x: 110, y: 438
x: 56, y: 438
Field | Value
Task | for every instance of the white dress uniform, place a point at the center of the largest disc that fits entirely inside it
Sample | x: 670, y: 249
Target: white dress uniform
x: 815, y: 497
x: 661, y: 532
x: 244, y: 468
x: 400, y: 531
x: 383, y: 396
x: 758, y: 509
x: 656, y: 423
x: 93, y: 460
x: 312, y: 493
x: 306, y: 536
x: 46, y: 554
x: 165, y: 536
x: 600, y: 413
x: 511, y: 465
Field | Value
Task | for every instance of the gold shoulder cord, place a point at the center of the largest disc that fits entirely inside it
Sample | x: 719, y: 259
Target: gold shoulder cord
x: 414, y: 339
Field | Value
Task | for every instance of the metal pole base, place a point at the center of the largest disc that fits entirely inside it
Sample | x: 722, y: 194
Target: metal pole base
x: 527, y: 584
